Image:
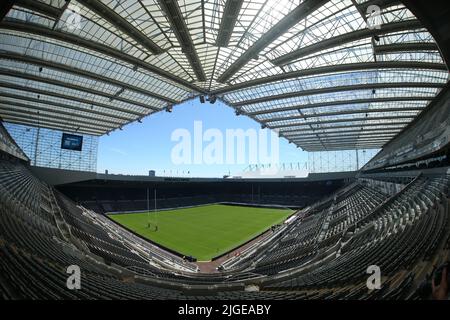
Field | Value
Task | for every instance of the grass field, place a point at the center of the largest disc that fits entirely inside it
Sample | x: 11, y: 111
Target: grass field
x: 203, y: 232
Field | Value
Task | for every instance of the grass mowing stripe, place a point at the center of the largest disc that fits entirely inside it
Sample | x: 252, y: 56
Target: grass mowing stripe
x: 206, y: 231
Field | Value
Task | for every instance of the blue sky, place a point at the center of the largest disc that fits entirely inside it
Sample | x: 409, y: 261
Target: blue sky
x: 148, y: 146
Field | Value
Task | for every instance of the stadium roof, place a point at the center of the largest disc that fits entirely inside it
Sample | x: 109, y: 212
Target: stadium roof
x: 320, y: 72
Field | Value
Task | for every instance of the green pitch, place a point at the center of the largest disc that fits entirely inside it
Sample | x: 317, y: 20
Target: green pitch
x: 203, y: 232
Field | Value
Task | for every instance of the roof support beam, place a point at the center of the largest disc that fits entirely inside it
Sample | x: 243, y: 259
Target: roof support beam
x: 287, y: 22
x: 354, y: 143
x: 346, y: 141
x: 39, y: 7
x: 314, y: 133
x: 344, y: 112
x: 346, y: 38
x: 306, y: 123
x: 405, y: 47
x: 362, y: 66
x: 229, y: 17
x: 343, y: 147
x: 81, y: 73
x: 339, y: 103
x: 346, y: 144
x: 73, y: 118
x: 95, y: 46
x: 120, y: 23
x: 345, y: 136
x: 342, y: 134
x: 175, y: 17
x: 67, y: 97
x: 364, y: 86
x: 383, y: 4
x: 7, y: 104
x: 49, y: 119
x: 114, y: 118
x: 326, y: 139
x: 50, y: 125
x: 345, y: 126
x: 72, y: 86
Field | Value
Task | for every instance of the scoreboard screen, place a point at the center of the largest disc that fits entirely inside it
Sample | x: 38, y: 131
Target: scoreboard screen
x: 71, y: 142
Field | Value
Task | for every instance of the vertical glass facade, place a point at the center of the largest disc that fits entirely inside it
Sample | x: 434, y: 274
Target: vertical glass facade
x: 340, y: 160
x: 43, y: 147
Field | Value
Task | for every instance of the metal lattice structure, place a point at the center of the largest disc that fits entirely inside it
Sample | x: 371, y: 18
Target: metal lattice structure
x: 339, y: 160
x: 43, y: 148
x: 325, y: 74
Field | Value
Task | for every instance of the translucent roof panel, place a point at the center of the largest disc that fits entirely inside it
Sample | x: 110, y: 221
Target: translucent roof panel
x: 310, y: 69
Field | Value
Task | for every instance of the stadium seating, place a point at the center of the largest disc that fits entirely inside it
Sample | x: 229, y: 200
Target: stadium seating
x: 133, y: 197
x: 321, y: 255
x: 404, y: 230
